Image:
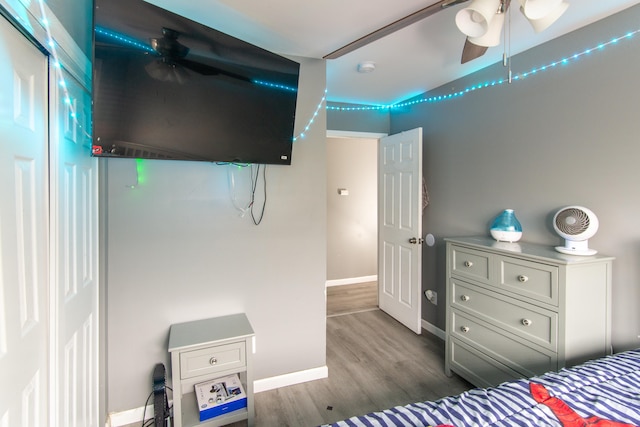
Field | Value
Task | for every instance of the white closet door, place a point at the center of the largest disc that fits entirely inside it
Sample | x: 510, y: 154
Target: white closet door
x: 24, y: 314
x: 74, y: 249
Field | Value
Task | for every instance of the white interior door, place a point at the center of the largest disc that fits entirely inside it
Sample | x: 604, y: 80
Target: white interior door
x: 400, y: 227
x: 24, y: 321
x: 74, y: 225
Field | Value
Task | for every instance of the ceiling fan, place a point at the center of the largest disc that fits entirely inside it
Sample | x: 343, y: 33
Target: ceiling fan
x: 173, y: 60
x: 481, y: 22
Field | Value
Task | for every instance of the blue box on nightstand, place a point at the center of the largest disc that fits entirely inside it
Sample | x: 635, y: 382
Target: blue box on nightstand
x: 220, y: 396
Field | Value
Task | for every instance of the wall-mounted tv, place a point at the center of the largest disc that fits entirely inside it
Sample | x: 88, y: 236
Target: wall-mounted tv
x: 166, y: 87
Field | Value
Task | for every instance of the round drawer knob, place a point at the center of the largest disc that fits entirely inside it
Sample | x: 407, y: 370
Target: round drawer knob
x: 522, y: 278
x: 468, y: 263
x: 527, y: 322
x: 213, y: 361
x: 465, y: 297
x: 464, y: 329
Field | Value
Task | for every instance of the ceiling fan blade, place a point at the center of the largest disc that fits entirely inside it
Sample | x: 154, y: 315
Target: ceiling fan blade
x: 209, y: 70
x: 393, y: 27
x: 472, y: 51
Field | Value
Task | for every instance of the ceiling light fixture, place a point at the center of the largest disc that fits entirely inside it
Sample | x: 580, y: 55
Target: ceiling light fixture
x: 483, y: 20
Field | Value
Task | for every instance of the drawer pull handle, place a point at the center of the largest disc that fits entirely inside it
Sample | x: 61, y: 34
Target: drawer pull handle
x: 468, y: 263
x: 464, y: 329
x: 522, y: 278
x: 465, y: 297
x: 526, y: 322
x: 213, y: 361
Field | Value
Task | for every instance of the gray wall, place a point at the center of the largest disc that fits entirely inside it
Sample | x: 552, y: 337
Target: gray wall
x: 352, y: 220
x: 177, y: 250
x: 561, y: 137
x: 359, y: 120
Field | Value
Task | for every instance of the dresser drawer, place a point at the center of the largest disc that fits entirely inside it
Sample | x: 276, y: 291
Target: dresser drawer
x: 533, y: 323
x: 532, y: 280
x: 525, y: 359
x: 469, y: 263
x: 477, y: 368
x: 212, y: 359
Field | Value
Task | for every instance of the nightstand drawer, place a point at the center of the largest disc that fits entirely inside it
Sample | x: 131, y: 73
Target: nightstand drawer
x: 470, y: 264
x: 212, y: 359
x: 530, y: 322
x: 532, y: 280
x: 526, y: 359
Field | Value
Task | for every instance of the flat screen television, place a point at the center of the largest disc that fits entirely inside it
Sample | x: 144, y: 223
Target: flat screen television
x: 166, y: 87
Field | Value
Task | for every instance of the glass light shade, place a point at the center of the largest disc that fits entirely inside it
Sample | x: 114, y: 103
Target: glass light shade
x: 545, y: 22
x: 506, y: 227
x: 537, y: 9
x: 493, y: 36
x: 474, y: 20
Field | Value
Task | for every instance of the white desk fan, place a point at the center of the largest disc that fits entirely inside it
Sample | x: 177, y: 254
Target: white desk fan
x: 576, y: 225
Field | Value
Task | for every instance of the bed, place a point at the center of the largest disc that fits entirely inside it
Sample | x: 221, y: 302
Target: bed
x: 603, y: 393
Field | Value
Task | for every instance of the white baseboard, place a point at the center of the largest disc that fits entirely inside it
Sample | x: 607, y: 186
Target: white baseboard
x: 131, y: 416
x: 431, y: 328
x: 134, y: 416
x: 290, y: 379
x: 351, y: 280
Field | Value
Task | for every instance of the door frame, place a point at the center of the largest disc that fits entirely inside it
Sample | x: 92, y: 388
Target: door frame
x: 355, y: 135
x: 361, y: 135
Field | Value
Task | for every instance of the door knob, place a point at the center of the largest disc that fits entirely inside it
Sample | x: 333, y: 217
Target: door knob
x: 414, y: 240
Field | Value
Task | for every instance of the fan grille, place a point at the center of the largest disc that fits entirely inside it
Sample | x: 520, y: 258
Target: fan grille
x: 572, y: 221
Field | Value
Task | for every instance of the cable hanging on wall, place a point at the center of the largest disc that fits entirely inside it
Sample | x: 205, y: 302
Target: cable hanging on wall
x: 244, y: 190
x: 255, y: 177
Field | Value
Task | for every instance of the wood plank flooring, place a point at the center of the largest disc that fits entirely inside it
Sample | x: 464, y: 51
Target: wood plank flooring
x: 374, y: 364
x: 354, y: 298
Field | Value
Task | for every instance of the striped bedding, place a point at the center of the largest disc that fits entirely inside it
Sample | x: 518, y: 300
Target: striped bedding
x: 604, y: 393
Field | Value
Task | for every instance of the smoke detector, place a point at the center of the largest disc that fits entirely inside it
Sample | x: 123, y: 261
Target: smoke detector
x: 366, y: 67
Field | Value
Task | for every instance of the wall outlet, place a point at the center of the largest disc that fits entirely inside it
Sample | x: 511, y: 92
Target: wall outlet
x: 432, y: 296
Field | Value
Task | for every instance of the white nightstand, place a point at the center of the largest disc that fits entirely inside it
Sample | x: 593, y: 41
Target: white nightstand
x: 204, y: 350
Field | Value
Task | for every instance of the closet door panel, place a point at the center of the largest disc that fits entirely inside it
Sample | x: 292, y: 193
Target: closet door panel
x: 74, y: 223
x: 24, y: 321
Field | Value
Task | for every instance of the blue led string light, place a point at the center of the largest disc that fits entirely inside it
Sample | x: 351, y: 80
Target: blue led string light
x: 301, y: 135
x: 517, y: 77
x: 135, y: 43
x: 58, y: 68
x: 274, y: 85
x: 123, y: 39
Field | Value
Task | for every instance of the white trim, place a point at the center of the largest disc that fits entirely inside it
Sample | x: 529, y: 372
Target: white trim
x: 351, y: 134
x: 290, y: 379
x: 131, y: 416
x: 134, y: 416
x: 351, y: 280
x: 431, y: 328
x: 70, y: 55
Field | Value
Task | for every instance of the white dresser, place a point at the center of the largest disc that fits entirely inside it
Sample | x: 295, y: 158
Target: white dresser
x: 204, y: 350
x: 516, y: 310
